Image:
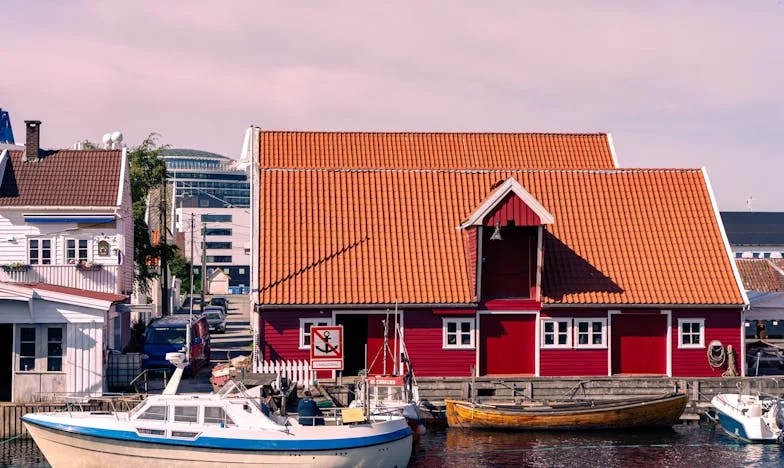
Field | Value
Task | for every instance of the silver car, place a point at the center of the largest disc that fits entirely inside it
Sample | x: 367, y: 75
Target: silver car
x: 216, y: 318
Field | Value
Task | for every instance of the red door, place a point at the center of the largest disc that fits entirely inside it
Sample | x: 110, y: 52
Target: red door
x: 375, y: 344
x: 639, y: 344
x: 507, y: 344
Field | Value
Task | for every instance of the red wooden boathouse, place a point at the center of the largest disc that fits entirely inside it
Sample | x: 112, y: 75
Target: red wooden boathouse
x: 510, y: 254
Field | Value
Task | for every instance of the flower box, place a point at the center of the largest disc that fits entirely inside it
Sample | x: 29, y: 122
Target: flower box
x: 88, y: 266
x: 14, y: 267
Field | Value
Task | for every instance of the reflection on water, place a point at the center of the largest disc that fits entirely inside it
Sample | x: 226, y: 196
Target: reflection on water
x: 691, y: 446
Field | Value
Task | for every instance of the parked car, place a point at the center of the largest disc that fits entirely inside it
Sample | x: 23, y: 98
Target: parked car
x: 216, y: 318
x: 186, y: 304
x: 168, y: 335
x: 222, y: 302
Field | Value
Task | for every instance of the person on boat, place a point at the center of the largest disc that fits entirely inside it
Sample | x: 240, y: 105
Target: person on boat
x: 268, y: 405
x: 308, y: 412
x: 761, y: 332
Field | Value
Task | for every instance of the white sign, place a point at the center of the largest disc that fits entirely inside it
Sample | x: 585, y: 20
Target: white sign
x: 326, y: 347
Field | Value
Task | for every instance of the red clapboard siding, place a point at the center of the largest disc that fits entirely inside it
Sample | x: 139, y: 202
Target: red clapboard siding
x: 723, y: 325
x: 508, y: 344
x: 424, y: 341
x: 639, y: 343
x: 279, y: 337
x: 573, y: 362
x: 470, y: 239
x: 512, y: 208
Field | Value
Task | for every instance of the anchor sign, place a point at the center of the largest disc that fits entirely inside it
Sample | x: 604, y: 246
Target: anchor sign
x: 326, y: 347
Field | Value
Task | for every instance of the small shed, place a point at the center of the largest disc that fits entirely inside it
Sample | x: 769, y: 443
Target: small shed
x: 218, y: 282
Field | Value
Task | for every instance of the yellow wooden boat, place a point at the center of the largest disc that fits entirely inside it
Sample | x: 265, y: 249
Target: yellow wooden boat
x: 656, y: 411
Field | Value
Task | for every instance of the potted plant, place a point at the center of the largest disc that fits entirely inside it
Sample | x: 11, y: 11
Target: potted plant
x: 84, y: 265
x: 15, y: 266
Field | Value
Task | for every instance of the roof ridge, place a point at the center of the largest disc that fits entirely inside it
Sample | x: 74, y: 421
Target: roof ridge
x: 479, y: 171
x: 437, y: 132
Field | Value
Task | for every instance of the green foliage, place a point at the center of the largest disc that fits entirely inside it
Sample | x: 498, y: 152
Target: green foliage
x: 181, y: 268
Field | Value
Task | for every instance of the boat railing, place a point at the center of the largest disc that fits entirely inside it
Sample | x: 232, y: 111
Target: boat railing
x: 141, y: 381
x: 110, y: 403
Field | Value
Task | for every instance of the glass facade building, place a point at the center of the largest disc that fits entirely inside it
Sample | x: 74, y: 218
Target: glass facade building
x: 206, y: 180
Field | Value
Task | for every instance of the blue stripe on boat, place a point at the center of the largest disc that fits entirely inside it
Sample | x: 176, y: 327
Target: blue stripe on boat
x: 226, y: 443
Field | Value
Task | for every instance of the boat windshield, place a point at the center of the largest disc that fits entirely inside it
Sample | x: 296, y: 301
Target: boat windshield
x: 157, y: 335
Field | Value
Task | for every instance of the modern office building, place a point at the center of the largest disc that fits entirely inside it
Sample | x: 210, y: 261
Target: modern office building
x: 206, y: 180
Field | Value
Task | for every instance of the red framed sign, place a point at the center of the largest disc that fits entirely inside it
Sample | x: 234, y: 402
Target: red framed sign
x: 326, y: 348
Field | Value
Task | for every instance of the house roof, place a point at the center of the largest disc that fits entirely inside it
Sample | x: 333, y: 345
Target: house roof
x: 109, y: 297
x: 433, y: 151
x: 65, y: 178
x: 386, y: 236
x: 762, y: 275
x: 761, y: 228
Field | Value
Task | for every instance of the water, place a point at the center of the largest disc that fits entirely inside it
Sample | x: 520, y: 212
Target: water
x: 688, y: 446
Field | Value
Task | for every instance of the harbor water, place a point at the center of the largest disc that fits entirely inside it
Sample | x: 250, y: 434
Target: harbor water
x: 683, y: 446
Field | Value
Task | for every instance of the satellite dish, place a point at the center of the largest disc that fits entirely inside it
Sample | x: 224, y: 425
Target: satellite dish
x: 117, y: 137
x: 107, y: 138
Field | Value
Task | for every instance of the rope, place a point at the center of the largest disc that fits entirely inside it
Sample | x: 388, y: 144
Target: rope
x: 716, y: 356
x: 731, y: 370
x: 12, y: 438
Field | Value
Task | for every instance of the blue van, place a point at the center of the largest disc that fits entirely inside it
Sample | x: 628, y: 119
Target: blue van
x: 167, y: 335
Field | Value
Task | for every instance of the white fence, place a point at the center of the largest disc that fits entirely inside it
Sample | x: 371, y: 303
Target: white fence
x: 295, y: 371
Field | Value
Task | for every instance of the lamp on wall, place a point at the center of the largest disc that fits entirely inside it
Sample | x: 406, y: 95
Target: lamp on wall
x: 497, y: 233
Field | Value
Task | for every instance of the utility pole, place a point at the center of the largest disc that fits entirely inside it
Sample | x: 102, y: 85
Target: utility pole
x: 190, y: 312
x: 164, y: 261
x: 203, y: 261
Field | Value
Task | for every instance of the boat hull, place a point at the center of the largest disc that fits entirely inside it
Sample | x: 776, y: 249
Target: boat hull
x: 734, y: 418
x: 658, y: 412
x: 63, y: 448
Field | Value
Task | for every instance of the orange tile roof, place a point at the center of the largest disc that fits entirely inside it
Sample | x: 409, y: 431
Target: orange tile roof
x: 481, y: 151
x: 381, y: 236
x: 759, y: 274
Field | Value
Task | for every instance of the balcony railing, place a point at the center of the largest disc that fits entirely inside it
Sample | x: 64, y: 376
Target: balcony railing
x: 106, y: 279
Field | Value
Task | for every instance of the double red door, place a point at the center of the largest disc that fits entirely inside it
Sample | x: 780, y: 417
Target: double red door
x: 639, y: 344
x: 507, y: 344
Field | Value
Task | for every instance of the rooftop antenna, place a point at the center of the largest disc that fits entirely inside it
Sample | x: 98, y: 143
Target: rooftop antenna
x: 116, y: 138
x: 106, y: 140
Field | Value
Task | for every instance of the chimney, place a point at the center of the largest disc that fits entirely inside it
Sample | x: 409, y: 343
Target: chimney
x: 33, y: 142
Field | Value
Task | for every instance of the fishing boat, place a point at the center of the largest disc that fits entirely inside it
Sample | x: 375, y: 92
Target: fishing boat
x: 656, y: 411
x: 750, y: 418
x: 227, y: 428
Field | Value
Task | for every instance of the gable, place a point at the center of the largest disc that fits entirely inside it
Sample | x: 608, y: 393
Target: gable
x: 435, y: 151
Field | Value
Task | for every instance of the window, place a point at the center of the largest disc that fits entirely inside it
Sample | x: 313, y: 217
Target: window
x: 590, y: 333
x: 219, y: 258
x: 27, y: 348
x: 766, y: 255
x: 305, y: 324
x: 240, y: 271
x: 458, y: 333
x: 218, y: 232
x: 738, y: 254
x: 556, y: 333
x: 40, y: 251
x: 213, y: 218
x: 216, y: 415
x: 217, y: 245
x: 75, y: 250
x: 691, y: 333
x: 54, y: 349
x: 154, y: 413
x: 186, y: 414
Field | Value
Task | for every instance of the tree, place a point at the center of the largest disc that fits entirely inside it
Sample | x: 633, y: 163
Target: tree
x: 181, y: 268
x: 147, y: 170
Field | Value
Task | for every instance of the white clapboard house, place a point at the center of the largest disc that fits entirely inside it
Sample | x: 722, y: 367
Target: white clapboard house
x: 66, y: 262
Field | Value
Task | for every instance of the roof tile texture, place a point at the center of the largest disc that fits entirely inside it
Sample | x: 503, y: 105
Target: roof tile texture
x: 381, y: 236
x: 760, y: 275
x: 481, y: 151
x: 62, y: 178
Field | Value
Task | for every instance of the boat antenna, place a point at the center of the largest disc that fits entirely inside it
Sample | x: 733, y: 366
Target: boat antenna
x: 386, y: 341
x: 396, y: 369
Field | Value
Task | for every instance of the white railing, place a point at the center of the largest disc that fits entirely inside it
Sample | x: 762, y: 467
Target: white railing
x: 295, y: 371
x: 107, y: 279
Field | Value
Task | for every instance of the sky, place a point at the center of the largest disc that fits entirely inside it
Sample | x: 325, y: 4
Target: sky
x: 677, y: 83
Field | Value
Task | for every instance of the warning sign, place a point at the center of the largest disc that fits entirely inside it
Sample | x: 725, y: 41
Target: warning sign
x: 326, y: 347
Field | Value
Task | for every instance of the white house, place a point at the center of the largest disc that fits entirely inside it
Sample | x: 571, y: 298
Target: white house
x: 65, y: 222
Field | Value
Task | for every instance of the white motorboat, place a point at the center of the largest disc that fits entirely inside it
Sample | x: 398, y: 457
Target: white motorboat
x: 391, y: 394
x: 750, y: 418
x: 224, y: 429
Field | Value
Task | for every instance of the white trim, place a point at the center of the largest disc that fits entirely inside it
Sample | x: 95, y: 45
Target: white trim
x: 312, y: 321
x: 610, y: 313
x: 730, y: 255
x: 742, y: 343
x: 701, y: 344
x: 590, y: 321
x: 40, y: 248
x: 537, y: 345
x: 458, y: 333
x: 478, y: 316
x: 3, y: 162
x: 510, y: 186
x: 479, y: 254
x: 611, y: 144
x: 556, y: 333
x: 539, y: 265
x: 668, y: 313
x: 122, y: 176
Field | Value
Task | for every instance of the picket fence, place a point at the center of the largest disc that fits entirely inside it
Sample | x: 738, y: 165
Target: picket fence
x: 295, y: 371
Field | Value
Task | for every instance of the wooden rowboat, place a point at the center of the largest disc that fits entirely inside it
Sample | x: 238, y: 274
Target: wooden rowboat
x: 656, y: 411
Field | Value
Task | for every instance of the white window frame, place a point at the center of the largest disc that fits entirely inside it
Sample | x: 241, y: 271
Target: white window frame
x: 76, y: 249
x: 41, y: 363
x: 40, y: 248
x: 458, y: 331
x: 701, y: 344
x: 590, y: 322
x: 313, y: 321
x: 568, y: 333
